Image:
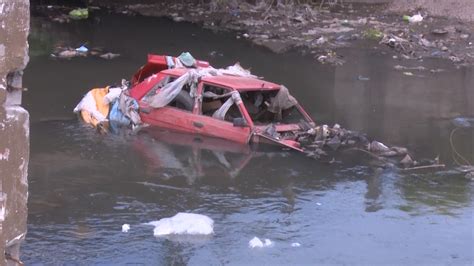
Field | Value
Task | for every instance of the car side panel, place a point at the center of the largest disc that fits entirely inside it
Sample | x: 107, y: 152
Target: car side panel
x: 213, y: 127
x: 178, y: 120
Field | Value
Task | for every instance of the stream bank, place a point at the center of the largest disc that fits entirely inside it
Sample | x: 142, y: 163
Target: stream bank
x: 316, y: 32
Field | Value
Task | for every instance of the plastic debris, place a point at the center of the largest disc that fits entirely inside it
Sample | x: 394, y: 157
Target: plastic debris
x: 79, y: 13
x: 331, y: 57
x: 418, y: 68
x: 415, y: 18
x: 257, y: 243
x: 407, y: 161
x: 82, y: 49
x: 92, y: 107
x: 424, y: 42
x: 187, y: 59
x: 321, y: 40
x: 67, y: 54
x: 463, y: 122
x: 125, y: 228
x: 295, y: 245
x: 379, y: 147
x: 109, y: 56
x: 184, y: 223
x: 113, y: 94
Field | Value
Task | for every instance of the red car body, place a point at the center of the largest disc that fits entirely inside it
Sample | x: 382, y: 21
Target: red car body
x: 194, y: 122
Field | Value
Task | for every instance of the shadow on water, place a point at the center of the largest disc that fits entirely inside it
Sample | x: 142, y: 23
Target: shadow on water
x: 84, y: 186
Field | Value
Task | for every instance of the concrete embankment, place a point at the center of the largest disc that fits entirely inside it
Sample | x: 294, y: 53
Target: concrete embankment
x: 14, y: 129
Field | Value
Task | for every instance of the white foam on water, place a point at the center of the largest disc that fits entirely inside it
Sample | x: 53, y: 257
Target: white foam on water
x: 257, y: 243
x: 295, y: 245
x: 125, y: 228
x: 184, y: 223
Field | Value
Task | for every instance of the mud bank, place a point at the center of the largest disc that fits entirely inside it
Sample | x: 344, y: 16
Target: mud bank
x: 319, y: 32
x: 460, y: 9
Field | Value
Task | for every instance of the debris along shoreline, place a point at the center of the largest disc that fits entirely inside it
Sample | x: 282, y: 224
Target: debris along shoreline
x: 325, y: 143
x: 155, y: 95
x: 319, y: 32
x: 66, y: 52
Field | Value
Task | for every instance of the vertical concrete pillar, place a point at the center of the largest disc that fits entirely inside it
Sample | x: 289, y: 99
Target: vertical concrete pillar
x: 14, y: 129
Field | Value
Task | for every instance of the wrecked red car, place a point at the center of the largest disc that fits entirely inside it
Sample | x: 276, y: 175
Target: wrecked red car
x: 230, y: 103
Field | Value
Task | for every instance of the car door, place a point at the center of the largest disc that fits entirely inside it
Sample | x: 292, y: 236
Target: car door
x: 177, y: 115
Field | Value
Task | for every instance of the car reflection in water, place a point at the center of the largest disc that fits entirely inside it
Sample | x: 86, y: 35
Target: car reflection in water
x: 191, y: 156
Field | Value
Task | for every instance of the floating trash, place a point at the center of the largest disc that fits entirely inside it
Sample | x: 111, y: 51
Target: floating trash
x: 184, y: 223
x: 79, y: 13
x: 257, y: 243
x: 125, y: 228
x: 82, y: 49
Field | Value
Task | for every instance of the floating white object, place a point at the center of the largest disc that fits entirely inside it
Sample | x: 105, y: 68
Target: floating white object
x: 268, y: 242
x: 295, y: 245
x: 82, y: 49
x: 319, y: 203
x: 257, y: 243
x: 184, y: 223
x: 125, y: 228
x: 416, y: 18
x: 113, y: 94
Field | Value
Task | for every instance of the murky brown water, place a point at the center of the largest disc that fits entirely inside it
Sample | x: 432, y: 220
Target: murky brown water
x: 84, y: 186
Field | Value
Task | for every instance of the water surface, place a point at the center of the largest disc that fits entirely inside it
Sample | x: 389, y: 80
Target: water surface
x: 84, y: 186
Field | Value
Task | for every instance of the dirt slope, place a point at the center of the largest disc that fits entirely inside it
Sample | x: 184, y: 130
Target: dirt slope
x: 461, y: 9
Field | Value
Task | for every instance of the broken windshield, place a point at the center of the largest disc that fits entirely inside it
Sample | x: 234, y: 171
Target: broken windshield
x: 266, y: 107
x: 218, y: 103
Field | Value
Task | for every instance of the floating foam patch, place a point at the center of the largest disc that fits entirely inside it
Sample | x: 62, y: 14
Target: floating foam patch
x: 257, y: 243
x: 184, y: 223
x: 125, y: 228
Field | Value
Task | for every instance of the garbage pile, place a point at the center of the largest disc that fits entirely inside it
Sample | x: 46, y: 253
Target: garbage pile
x: 79, y: 13
x: 322, y: 142
x: 281, y: 26
x: 66, y: 52
x: 109, y: 109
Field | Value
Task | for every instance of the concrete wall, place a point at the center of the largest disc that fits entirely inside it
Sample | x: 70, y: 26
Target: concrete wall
x: 14, y: 129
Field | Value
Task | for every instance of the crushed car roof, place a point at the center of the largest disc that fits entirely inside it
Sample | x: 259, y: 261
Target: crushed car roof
x: 229, y: 81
